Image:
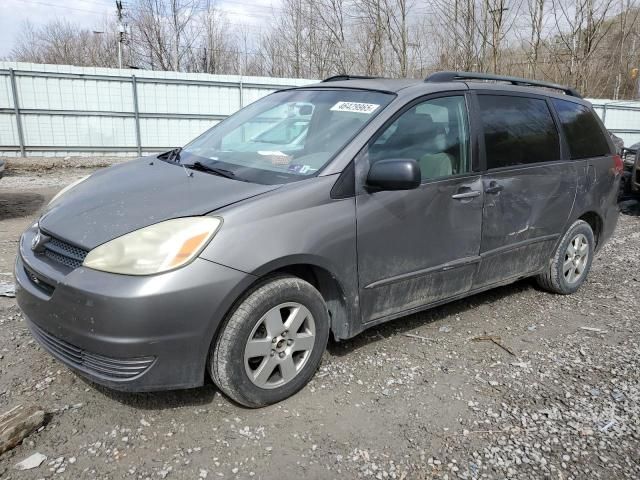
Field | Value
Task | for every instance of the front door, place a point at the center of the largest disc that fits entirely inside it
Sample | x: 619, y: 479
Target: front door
x: 529, y: 189
x: 419, y: 246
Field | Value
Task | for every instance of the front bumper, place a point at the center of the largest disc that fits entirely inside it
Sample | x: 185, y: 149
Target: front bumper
x: 126, y: 332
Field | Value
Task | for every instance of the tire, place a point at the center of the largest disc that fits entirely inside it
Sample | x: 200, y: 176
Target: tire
x: 291, y: 357
x: 559, y: 277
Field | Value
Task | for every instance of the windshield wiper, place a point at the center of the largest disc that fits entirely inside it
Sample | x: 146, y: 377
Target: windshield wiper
x: 171, y: 155
x: 209, y: 169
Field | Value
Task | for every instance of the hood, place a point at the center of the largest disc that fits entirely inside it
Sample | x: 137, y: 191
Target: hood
x: 133, y: 195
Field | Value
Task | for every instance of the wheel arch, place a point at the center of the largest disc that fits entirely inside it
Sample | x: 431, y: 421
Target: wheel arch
x: 325, y: 281
x: 341, y: 304
x: 596, y: 223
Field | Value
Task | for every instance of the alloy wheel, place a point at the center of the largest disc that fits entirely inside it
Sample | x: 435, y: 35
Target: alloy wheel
x: 279, y: 345
x: 576, y: 258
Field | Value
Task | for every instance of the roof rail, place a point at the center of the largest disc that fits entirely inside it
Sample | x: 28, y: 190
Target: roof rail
x: 337, y: 78
x: 451, y: 76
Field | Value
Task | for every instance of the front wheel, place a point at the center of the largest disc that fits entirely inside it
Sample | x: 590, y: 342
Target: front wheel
x: 272, y: 343
x: 571, y: 262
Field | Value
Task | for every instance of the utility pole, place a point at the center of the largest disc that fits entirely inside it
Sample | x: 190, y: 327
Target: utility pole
x: 497, y: 16
x: 121, y: 31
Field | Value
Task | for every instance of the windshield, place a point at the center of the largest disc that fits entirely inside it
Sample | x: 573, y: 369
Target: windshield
x: 286, y: 136
x: 287, y: 131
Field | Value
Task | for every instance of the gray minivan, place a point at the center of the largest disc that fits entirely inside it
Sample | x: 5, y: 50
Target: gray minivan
x: 236, y: 262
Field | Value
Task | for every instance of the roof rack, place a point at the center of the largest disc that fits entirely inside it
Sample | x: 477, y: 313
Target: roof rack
x: 451, y: 76
x: 337, y: 78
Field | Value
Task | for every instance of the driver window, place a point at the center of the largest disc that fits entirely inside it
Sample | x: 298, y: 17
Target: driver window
x: 434, y: 133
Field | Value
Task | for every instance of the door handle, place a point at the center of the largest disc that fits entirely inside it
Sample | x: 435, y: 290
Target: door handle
x: 494, y: 187
x: 466, y: 195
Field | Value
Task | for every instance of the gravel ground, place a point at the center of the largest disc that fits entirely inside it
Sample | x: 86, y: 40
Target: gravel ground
x: 557, y: 395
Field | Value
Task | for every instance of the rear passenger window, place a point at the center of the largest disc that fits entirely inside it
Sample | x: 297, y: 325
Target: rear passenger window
x: 518, y: 131
x: 584, y: 134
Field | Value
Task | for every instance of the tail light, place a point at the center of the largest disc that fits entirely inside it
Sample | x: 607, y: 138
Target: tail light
x: 618, y: 165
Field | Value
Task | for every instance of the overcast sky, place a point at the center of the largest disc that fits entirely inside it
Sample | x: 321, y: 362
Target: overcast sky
x: 93, y: 13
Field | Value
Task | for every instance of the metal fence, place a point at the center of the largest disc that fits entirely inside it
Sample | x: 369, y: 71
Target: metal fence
x: 59, y: 110
x: 622, y: 117
x: 63, y: 110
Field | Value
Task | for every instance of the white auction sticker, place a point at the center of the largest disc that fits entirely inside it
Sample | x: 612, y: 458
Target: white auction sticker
x: 355, y: 107
x: 270, y: 153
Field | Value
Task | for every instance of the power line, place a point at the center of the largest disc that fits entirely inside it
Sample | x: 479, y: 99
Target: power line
x: 253, y: 6
x: 65, y: 7
x: 94, y: 2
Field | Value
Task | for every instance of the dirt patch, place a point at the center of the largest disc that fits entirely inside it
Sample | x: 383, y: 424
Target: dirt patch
x: 16, y: 205
x: 434, y: 404
x: 48, y: 164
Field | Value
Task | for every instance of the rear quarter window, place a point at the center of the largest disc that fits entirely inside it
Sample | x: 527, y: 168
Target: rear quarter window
x: 582, y: 130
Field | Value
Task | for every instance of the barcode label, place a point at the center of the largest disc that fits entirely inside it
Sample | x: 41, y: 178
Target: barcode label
x: 355, y: 107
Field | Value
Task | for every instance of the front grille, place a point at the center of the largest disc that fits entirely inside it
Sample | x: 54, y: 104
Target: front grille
x: 113, y: 369
x: 64, y: 253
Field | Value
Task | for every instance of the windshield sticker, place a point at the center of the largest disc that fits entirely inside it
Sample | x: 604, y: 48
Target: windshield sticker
x: 276, y: 157
x: 355, y: 107
x: 269, y: 153
x: 302, y: 169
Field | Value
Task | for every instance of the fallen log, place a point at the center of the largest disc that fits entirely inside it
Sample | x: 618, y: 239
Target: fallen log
x: 17, y: 424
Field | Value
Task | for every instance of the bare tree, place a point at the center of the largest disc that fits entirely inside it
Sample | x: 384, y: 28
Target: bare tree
x: 396, y: 26
x: 497, y: 20
x: 536, y: 15
x: 214, y: 49
x: 369, y: 35
x: 64, y: 43
x: 625, y: 43
x: 333, y: 22
x: 581, y: 26
x: 463, y: 41
x: 164, y: 31
x: 589, y: 44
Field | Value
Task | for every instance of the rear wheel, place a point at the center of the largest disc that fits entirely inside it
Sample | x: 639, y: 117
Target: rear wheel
x: 272, y: 343
x: 571, y: 262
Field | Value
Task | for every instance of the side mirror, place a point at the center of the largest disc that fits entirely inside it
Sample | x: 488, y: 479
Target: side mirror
x: 394, y: 174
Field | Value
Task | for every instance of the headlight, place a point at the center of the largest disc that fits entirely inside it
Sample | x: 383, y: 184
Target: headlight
x: 155, y: 249
x: 67, y: 188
